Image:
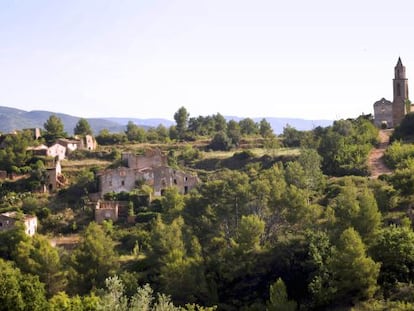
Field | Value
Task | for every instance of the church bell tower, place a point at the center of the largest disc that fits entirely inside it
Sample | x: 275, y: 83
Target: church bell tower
x: 400, y: 83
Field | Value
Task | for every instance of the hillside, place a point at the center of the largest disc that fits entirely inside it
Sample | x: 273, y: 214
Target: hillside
x: 257, y: 217
x: 15, y: 119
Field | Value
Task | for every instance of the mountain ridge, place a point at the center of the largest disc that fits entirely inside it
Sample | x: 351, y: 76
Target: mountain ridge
x: 16, y: 119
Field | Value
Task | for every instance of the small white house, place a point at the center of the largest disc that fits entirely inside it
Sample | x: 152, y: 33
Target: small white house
x: 8, y: 222
x: 57, y: 150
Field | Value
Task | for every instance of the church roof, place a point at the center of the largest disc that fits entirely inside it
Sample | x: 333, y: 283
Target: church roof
x: 383, y: 101
x: 399, y: 62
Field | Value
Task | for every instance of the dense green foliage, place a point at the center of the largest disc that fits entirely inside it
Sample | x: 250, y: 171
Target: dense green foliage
x: 405, y: 129
x: 54, y: 129
x: 223, y: 135
x: 264, y: 235
x: 345, y: 145
x: 13, y: 154
x: 398, y: 153
x: 82, y: 128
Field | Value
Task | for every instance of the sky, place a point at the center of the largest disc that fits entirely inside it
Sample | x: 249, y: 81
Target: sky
x: 258, y: 58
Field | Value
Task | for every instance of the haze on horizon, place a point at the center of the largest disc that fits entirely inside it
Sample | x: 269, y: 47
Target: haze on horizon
x: 145, y: 59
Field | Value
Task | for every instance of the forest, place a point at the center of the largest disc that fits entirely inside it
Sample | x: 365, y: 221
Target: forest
x: 277, y: 222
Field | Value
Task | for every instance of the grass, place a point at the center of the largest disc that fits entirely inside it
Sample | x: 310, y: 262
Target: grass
x: 84, y: 163
x: 258, y: 152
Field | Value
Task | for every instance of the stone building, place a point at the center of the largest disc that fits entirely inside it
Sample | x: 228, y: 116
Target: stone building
x: 86, y: 142
x: 151, y: 158
x: 150, y: 168
x: 383, y: 113
x: 56, y: 150
x: 54, y: 177
x: 111, y: 210
x: 119, y: 179
x: 389, y: 116
x: 70, y: 144
x: 106, y: 210
x: 166, y: 177
x: 8, y: 221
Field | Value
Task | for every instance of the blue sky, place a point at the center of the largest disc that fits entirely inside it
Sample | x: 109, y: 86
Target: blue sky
x: 141, y: 59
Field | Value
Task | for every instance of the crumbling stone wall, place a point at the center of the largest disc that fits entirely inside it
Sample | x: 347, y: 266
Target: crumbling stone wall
x: 165, y: 177
x: 151, y: 168
x: 121, y: 179
x: 106, y: 210
x: 151, y: 158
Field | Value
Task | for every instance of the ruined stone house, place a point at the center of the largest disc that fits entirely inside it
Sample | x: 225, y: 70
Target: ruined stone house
x: 8, y: 221
x: 150, y: 168
x: 88, y: 142
x: 119, y: 179
x: 56, y: 150
x: 106, y: 210
x: 110, y: 210
x: 54, y: 178
x: 70, y: 144
x: 166, y: 177
x: 390, y: 114
x: 151, y: 158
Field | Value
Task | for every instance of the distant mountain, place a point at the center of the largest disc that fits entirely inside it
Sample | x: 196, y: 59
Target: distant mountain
x: 142, y: 122
x: 15, y: 119
x: 300, y: 124
x: 277, y: 123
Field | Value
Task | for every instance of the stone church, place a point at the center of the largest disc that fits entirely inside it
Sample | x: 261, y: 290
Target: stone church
x: 389, y: 114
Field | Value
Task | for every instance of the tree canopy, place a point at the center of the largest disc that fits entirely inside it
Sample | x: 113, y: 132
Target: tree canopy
x: 54, y: 128
x: 82, y: 128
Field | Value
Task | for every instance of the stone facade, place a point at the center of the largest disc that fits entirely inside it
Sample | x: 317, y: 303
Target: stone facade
x: 54, y: 177
x: 56, y: 150
x: 106, y: 210
x: 119, y: 179
x: 400, y: 84
x: 151, y: 158
x: 149, y: 168
x: 166, y: 177
x: 89, y: 142
x: 70, y: 144
x: 383, y: 113
x: 8, y: 222
x: 393, y: 115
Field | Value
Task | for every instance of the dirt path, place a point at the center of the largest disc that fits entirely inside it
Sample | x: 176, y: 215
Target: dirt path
x: 375, y: 161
